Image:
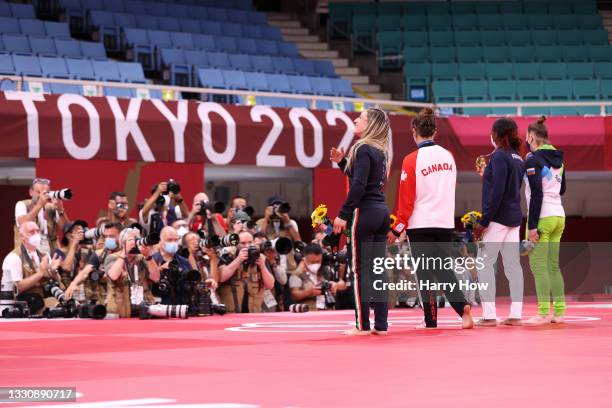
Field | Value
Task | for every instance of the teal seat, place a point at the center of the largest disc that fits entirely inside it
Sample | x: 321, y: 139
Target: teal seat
x: 339, y: 18
x: 536, y: 111
x: 563, y: 111
x: 595, y: 37
x: 446, y: 91
x: 590, y: 21
x: 445, y: 71
x: 518, y: 37
x: 535, y: 7
x: 585, y: 89
x: 514, y: 22
x: 439, y: 21
x: 415, y: 38
x: 389, y: 49
x: 569, y: 37
x: 492, y: 38
x: 510, y: 7
x: 474, y: 91
x: 415, y: 9
x: 434, y: 8
x: 502, y: 91
x: 412, y: 22
x: 489, y: 21
x: 418, y: 72
x: 540, y: 21
x: 441, y: 38
x: 390, y: 8
x: 522, y: 53
x: 558, y: 90
x: 600, y: 53
x: 466, y: 38
x: 469, y: 54
x: 580, y: 70
x: 364, y: 9
x: 575, y: 53
x: 544, y: 37
x: 503, y: 111
x: 526, y: 70
x: 466, y: 21
x: 362, y: 32
x: 588, y: 110
x: 442, y: 54
x: 463, y: 7
x: 530, y: 90
x: 605, y: 87
x: 553, y: 70
x: 495, y: 54
x: 487, y: 7
x: 550, y: 53
x: 603, y: 70
x: 587, y: 7
x: 477, y: 111
x: 560, y: 8
x: 472, y: 71
x: 565, y: 21
x: 416, y: 54
x: 499, y: 71
x: 388, y: 22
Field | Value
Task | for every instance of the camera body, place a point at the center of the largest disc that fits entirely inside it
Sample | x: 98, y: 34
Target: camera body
x: 11, y: 308
x: 330, y: 299
x: 253, y: 256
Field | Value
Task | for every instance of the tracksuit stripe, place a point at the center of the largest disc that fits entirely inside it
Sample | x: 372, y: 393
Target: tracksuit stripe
x: 358, y: 311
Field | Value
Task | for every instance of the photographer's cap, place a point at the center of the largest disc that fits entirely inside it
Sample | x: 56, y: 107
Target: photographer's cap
x: 241, y: 216
x: 275, y: 200
x: 70, y: 226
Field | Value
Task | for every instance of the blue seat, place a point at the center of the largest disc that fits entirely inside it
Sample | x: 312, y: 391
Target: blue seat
x: 211, y: 27
x: 240, y: 62
x: 565, y: 21
x: 106, y: 71
x: 526, y: 70
x: 105, y: 29
x: 131, y: 72
x: 499, y: 71
x: 543, y: 37
x: 563, y: 111
x: 22, y: 10
x: 552, y: 70
x: 168, y: 24
x: 474, y: 91
x: 502, y: 90
x: 32, y: 27
x: 304, y: 66
x: 271, y: 101
x: 441, y: 38
x: 248, y: 46
x: 57, y: 30
x: 590, y: 22
x: 439, y: 22
x: 178, y: 11
x: 217, y: 14
x: 324, y: 68
x: 558, y: 89
x: 325, y: 105
x: 575, y: 53
x: 445, y: 71
x: 147, y: 22
x: 271, y: 33
x: 252, y: 31
x: 285, y: 65
x: 237, y: 16
x: 93, y: 50
x: 140, y: 47
x: 10, y: 25
x: 256, y: 17
x: 530, y: 90
x: 489, y: 21
x: 65, y: 89
x: 231, y: 30
x: 182, y: 40
x: 287, y: 49
x: 603, y: 70
x: 569, y: 37
x: 6, y: 65
x: 279, y: 83
x: 80, y: 69
x: 342, y: 87
x: 5, y: 10
x: 119, y: 92
x: 204, y: 42
x: 442, y: 54
x: 536, y: 111
x: 7, y: 85
x: 548, y: 53
x: 161, y: 39
x: 472, y: 71
x: 44, y: 46
x: 416, y: 54
x: 234, y: 79
x: 155, y: 8
x: 297, y: 103
x: 600, y: 53
x: 175, y: 67
x: 300, y: 84
x: 135, y: 7
x: 219, y: 60
x: 27, y: 65
x: 114, y: 5
x: 226, y: 44
x: 196, y: 58
x: 588, y: 110
x: 268, y: 47
x: 16, y: 44
x: 321, y: 86
x: 595, y: 37
x: 256, y: 81
x: 469, y: 54
x: 211, y: 78
x: 125, y: 20
x: 199, y: 12
x: 190, y: 25
x: 54, y: 67
x: 263, y: 63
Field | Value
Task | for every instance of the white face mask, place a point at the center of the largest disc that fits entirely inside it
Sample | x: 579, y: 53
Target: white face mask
x: 34, y: 240
x: 181, y: 231
x: 314, y: 268
x: 493, y: 142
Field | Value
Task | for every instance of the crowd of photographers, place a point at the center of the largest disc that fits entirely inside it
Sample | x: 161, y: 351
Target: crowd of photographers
x: 175, y: 260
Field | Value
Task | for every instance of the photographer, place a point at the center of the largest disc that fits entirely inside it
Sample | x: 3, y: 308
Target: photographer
x: 202, y: 259
x: 130, y: 275
x: 244, y: 279
x: 163, y: 207
x: 273, y: 298
x: 73, y: 251
x: 238, y: 203
x: 92, y: 278
x: 239, y: 223
x: 167, y: 259
x: 203, y: 218
x: 117, y: 212
x: 311, y: 283
x: 276, y: 222
x: 26, y: 270
x: 47, y: 213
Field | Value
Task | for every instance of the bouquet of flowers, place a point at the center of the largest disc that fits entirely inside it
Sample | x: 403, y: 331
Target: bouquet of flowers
x: 469, y: 220
x: 320, y: 220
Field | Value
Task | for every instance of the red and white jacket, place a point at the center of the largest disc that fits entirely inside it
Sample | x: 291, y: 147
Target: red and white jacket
x: 427, y: 189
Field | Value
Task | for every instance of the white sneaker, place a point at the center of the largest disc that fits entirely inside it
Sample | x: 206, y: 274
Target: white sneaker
x: 538, y: 320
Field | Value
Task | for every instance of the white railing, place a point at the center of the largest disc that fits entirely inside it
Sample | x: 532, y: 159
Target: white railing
x: 19, y: 81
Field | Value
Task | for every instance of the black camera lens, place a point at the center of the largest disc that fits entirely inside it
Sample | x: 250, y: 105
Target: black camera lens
x: 174, y: 187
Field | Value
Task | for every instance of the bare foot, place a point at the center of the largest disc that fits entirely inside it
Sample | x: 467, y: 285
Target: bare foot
x: 467, y: 320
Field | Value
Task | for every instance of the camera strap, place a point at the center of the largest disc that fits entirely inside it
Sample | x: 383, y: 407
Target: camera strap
x: 136, y: 289
x: 26, y: 256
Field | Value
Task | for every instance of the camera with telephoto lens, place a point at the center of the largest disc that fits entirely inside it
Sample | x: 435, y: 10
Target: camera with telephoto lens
x: 148, y: 241
x: 173, y: 187
x: 96, y: 312
x: 253, y: 255
x: 249, y: 210
x: 96, y: 275
x: 281, y: 208
x: 9, y: 307
x: 90, y: 235
x: 334, y: 259
x: 62, y: 194
x: 201, y: 303
x: 298, y: 251
x: 330, y: 299
x: 217, y: 207
x: 147, y: 311
x: 214, y: 241
x: 282, y: 245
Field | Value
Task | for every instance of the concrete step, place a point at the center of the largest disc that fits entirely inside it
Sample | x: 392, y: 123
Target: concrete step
x: 347, y: 71
x: 316, y: 54
x: 357, y: 79
x: 339, y: 62
x: 285, y: 24
x: 369, y: 88
x: 294, y: 31
x: 312, y: 46
x: 301, y: 38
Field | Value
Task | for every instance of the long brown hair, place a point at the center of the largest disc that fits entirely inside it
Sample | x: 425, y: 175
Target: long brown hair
x: 505, y: 133
x: 376, y: 134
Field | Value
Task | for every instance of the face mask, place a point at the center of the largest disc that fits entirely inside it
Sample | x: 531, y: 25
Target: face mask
x: 181, y: 231
x: 493, y: 142
x: 34, y: 240
x: 314, y: 268
x: 110, y: 243
x: 171, y: 247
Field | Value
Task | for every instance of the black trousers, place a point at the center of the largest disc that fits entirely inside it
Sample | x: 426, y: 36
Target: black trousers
x: 434, y: 243
x: 369, y: 229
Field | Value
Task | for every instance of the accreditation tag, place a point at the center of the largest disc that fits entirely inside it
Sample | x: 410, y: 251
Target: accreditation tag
x: 321, y: 302
x: 136, y: 294
x: 269, y: 299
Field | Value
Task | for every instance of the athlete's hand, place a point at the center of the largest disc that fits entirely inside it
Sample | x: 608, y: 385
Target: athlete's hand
x: 391, y: 238
x: 339, y: 225
x: 533, y: 235
x: 336, y: 155
x: 478, y: 231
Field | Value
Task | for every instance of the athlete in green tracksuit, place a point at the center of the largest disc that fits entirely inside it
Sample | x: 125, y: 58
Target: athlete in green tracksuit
x: 545, y: 174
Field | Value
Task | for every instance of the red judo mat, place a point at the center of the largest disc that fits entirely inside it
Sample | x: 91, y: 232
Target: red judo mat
x: 302, y: 360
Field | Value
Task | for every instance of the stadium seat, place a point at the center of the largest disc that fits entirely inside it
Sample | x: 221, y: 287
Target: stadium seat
x: 54, y: 67
x: 5, y: 10
x: 285, y: 65
x: 580, y: 70
x: 80, y: 69
x: 263, y: 63
x: 136, y: 7
x: 219, y: 60
x: 93, y: 50
x: 560, y: 8
x: 585, y: 8
x: 569, y: 37
x: 16, y: 44
x: 530, y: 90
x: 231, y: 30
x: 66, y: 89
x: 499, y: 71
x: 558, y: 89
x: 119, y: 92
x: 445, y: 91
x: 105, y: 29
x: 535, y: 7
x: 25, y: 11
x: 131, y: 72
x: 442, y: 54
x: 600, y: 53
x: 411, y: 22
x: 6, y: 65
x: 43, y: 46
x: 140, y: 47
x: 304, y: 66
x: 548, y: 53
x: 324, y: 68
x: 234, y: 79
x: 466, y: 38
x: 606, y: 89
x: 182, y: 40
x: 595, y: 37
x: 32, y: 27
x: 464, y: 21
x: 563, y: 111
x: 514, y: 21
x: 445, y: 71
x: 389, y: 49
x: 190, y: 25
x: 106, y: 71
x: 287, y: 49
x: 256, y: 81
x: 248, y: 46
x: 492, y: 38
x: 586, y: 89
x: 252, y: 31
x: 268, y: 47
x: 472, y: 71
x: 57, y: 30
x: 178, y: 10
x: 477, y: 111
x: 168, y: 24
x: 124, y: 20
x: 415, y: 38
x: 588, y: 110
x: 196, y: 58
x: 211, y: 78
x: 439, y: 22
x: 543, y: 37
x: 494, y: 54
x: 540, y: 21
x: 526, y: 70
x: 510, y: 7
x: 279, y: 83
x: 565, y: 21
x: 502, y: 90
x: 211, y: 27
x: 518, y: 37
x: 575, y: 53
x: 474, y: 91
x: 9, y: 25
x: 240, y: 62
x: 469, y: 54
x: 536, y: 111
x: 27, y: 65
x: 176, y: 68
x: 297, y: 103
x: 342, y: 87
x: 522, y: 53
x: 300, y: 84
x: 590, y: 21
x: 417, y: 74
x: 489, y: 21
x: 441, y: 38
x: 416, y: 54
x: 271, y: 33
x: 147, y: 22
x: 204, y: 42
x: 550, y: 70
x: 603, y: 70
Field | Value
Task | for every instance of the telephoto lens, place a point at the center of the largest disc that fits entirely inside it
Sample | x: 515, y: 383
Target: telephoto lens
x: 96, y: 275
x: 92, y: 312
x: 230, y: 240
x: 298, y: 308
x: 63, y: 194
x: 174, y: 187
x: 94, y: 233
x: 282, y: 245
x: 147, y: 311
x: 52, y: 289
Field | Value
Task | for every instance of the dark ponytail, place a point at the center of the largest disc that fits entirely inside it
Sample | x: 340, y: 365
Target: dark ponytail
x: 505, y: 133
x: 424, y: 123
x: 539, y: 129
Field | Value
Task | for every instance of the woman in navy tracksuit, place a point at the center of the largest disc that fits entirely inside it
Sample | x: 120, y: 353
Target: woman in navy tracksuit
x: 367, y: 166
